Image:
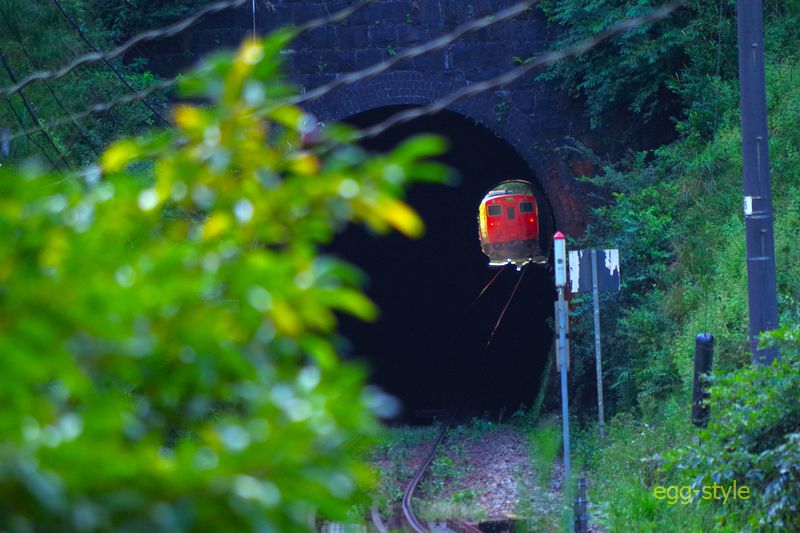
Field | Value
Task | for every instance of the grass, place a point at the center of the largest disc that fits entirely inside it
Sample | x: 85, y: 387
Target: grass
x: 545, y: 447
x: 447, y: 509
x: 624, y: 470
x: 540, y: 508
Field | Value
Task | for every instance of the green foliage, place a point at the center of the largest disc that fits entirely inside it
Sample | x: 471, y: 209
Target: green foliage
x: 451, y: 462
x: 476, y: 429
x: 680, y: 60
x: 501, y: 109
x: 545, y: 447
x: 122, y: 20
x: 632, y: 71
x: 167, y: 323
x: 542, y: 504
x: 675, y: 216
x: 442, y: 474
x: 36, y: 37
x: 752, y: 437
x: 625, y: 471
x: 640, y: 222
x: 685, y: 278
x: 463, y: 496
x: 391, y: 450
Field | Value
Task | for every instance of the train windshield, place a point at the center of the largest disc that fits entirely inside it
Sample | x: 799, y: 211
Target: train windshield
x: 494, y: 210
x: 526, y: 207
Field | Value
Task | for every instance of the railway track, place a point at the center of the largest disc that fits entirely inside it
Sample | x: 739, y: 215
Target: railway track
x: 411, y: 518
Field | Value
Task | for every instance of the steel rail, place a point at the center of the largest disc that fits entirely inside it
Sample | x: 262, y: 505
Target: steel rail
x: 408, y: 512
x: 462, y: 526
x: 377, y: 521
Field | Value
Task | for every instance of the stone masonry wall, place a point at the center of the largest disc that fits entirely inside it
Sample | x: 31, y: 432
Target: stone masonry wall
x: 536, y: 119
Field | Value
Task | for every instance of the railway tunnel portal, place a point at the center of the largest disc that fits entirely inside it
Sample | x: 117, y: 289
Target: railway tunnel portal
x: 528, y: 130
x: 433, y: 346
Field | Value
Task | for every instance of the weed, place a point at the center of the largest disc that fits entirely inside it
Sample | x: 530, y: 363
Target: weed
x: 545, y: 444
x: 392, y: 451
x: 501, y: 109
x: 463, y: 496
x: 441, y: 473
x: 541, y: 507
x: 430, y: 511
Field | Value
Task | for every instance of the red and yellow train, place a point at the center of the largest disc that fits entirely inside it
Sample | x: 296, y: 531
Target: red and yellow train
x: 508, y: 224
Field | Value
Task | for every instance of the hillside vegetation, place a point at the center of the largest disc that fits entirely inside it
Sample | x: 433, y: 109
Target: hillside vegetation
x: 676, y: 216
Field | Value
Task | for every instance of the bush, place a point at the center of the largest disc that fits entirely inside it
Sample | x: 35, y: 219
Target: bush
x: 674, y: 288
x: 167, y: 324
x: 753, y: 438
x: 36, y: 37
x: 681, y: 67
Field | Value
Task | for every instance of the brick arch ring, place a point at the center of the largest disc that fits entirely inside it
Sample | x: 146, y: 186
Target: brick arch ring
x: 516, y: 128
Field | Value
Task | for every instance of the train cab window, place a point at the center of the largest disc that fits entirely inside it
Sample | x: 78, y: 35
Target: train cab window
x: 510, y: 212
x: 526, y: 207
x: 494, y: 210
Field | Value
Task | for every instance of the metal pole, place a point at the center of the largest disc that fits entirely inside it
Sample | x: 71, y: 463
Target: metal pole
x: 761, y: 287
x: 581, y: 517
x: 5, y: 142
x: 254, y: 21
x: 597, y: 355
x: 562, y: 345
x: 703, y: 354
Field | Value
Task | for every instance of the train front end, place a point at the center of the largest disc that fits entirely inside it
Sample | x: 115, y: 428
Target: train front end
x: 508, y: 224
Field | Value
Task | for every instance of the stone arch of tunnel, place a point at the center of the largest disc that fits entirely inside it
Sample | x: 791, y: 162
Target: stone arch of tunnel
x: 538, y: 140
x: 429, y: 348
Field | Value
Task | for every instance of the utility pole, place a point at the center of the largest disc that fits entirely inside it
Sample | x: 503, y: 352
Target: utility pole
x: 761, y: 286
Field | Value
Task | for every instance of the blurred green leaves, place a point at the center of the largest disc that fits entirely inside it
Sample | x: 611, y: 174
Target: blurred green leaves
x: 166, y: 321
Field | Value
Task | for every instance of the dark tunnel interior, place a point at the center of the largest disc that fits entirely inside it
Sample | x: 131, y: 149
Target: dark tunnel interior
x: 429, y: 346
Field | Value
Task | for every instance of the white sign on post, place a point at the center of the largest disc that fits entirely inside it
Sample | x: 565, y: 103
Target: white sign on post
x: 594, y: 271
x: 581, y: 273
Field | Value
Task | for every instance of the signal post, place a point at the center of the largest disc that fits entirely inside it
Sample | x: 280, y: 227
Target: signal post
x: 560, y: 260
